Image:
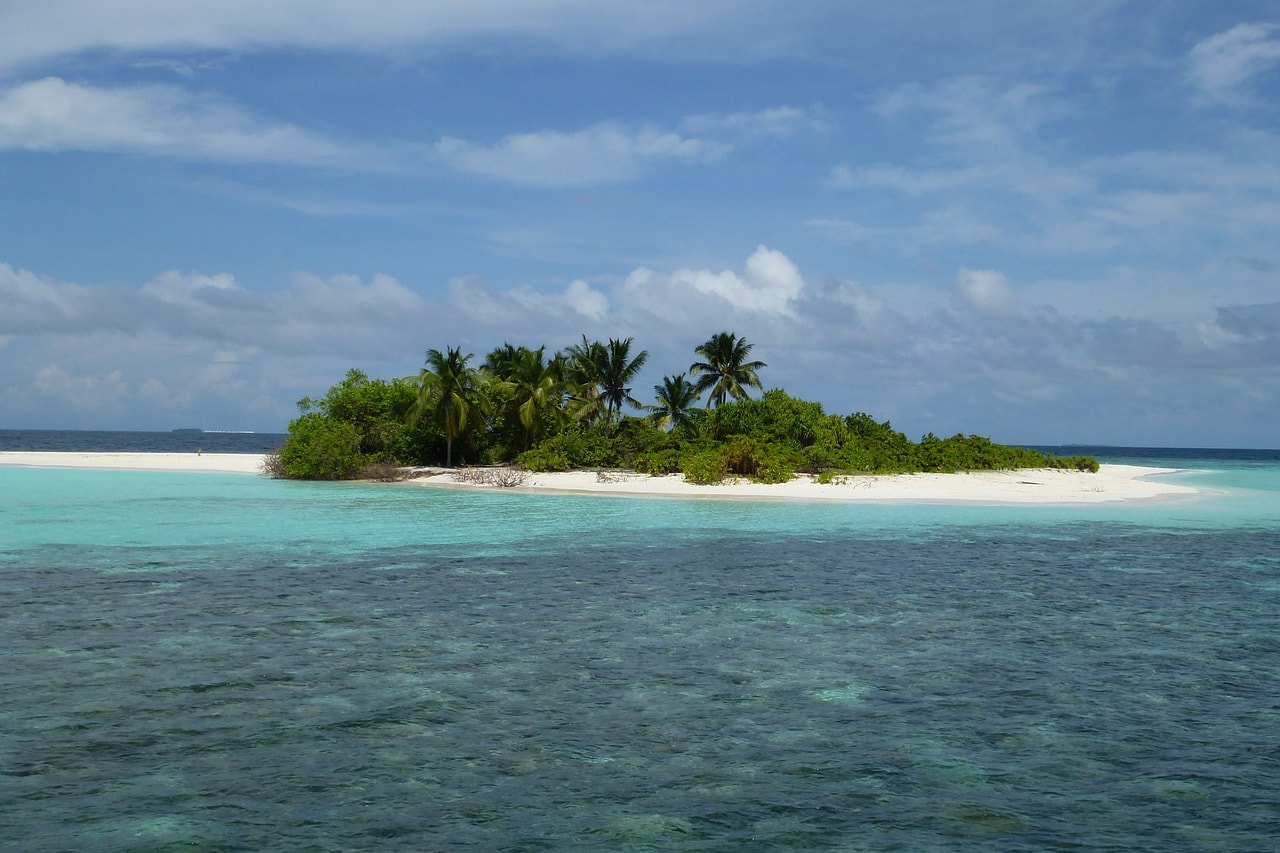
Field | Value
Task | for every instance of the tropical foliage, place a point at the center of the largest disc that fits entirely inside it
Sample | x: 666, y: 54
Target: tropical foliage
x: 453, y: 391
x: 676, y: 398
x: 565, y: 410
x: 725, y: 369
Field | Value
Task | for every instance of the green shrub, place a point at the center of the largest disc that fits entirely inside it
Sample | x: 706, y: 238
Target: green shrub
x: 542, y: 457
x: 742, y: 455
x: 658, y: 462
x: 318, y: 448
x: 583, y: 448
x: 635, y: 436
x: 1075, y: 463
x: 815, y: 459
x: 703, y: 467
x: 774, y: 469
x: 757, y: 460
x: 379, y: 411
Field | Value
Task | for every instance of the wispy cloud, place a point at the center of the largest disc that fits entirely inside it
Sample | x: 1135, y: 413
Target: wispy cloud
x: 55, y: 115
x: 1222, y: 66
x: 33, y: 32
x: 778, y: 122
x: 602, y: 154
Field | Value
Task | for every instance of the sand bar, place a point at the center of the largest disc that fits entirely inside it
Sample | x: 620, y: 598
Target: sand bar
x: 213, y: 463
x: 1112, y: 483
x: 1038, y: 486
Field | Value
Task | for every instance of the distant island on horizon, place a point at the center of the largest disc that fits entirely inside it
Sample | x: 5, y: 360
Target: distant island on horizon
x: 198, y: 431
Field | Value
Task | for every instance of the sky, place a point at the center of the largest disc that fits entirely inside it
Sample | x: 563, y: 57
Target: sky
x: 1047, y: 223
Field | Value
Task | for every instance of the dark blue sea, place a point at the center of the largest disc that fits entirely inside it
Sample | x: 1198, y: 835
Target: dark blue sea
x: 103, y: 441
x: 229, y: 662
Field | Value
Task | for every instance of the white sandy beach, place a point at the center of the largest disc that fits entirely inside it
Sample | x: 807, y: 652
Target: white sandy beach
x: 1112, y: 483
x: 1038, y: 486
x: 213, y: 463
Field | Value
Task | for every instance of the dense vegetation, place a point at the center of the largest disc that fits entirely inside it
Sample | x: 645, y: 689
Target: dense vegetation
x: 565, y: 410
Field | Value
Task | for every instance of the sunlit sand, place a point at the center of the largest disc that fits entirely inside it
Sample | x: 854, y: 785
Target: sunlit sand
x: 214, y: 463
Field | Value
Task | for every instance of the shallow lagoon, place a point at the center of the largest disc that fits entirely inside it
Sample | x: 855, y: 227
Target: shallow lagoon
x: 223, y: 662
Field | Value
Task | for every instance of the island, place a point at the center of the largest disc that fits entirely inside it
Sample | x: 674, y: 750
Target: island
x: 527, y: 410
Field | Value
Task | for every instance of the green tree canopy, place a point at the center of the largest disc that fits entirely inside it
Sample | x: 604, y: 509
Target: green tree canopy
x: 533, y: 386
x: 725, y: 371
x: 617, y: 371
x: 452, y: 390
x: 584, y: 380
x: 676, y: 396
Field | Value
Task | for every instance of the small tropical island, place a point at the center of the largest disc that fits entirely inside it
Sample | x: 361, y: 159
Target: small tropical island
x: 523, y: 410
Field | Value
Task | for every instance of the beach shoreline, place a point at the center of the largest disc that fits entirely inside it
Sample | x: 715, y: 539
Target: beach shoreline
x: 1113, y: 483
x: 1027, y: 486
x: 190, y: 463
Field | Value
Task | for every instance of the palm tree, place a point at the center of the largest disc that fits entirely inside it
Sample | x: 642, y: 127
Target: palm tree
x: 534, y: 384
x: 584, y: 377
x: 676, y: 396
x: 725, y: 370
x: 450, y: 388
x: 499, y: 361
x: 617, y: 370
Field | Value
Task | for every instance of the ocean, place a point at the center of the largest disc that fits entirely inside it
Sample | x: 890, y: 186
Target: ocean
x: 229, y: 662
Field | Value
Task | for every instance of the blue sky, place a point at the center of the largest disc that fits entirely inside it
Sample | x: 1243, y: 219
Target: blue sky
x: 1044, y: 222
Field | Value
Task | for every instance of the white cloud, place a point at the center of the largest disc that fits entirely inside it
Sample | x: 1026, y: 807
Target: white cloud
x: 578, y: 301
x: 55, y: 115
x: 382, y: 299
x: 526, y: 313
x: 174, y: 287
x: 602, y: 154
x: 586, y: 300
x: 1221, y: 65
x: 32, y: 304
x: 768, y: 287
x: 985, y: 290
x: 338, y: 314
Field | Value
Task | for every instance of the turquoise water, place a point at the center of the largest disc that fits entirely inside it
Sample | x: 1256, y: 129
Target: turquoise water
x: 217, y: 662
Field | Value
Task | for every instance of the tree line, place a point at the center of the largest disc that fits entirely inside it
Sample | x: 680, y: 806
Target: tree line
x: 569, y: 409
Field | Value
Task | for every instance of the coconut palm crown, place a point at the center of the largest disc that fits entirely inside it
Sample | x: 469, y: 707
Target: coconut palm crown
x: 725, y: 371
x: 618, y: 370
x: 676, y: 397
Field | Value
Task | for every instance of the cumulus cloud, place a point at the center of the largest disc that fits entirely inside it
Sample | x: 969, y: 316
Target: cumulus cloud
x: 55, y: 115
x: 602, y: 154
x: 523, y: 305
x: 1221, y: 66
x: 769, y: 286
x: 985, y: 290
x: 173, y: 287
x: 336, y: 314
x: 523, y: 313
x: 586, y: 300
x: 34, y: 304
